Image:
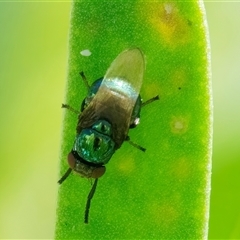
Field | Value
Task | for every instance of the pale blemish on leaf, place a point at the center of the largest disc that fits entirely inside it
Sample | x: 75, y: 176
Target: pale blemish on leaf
x: 179, y: 125
x: 85, y: 53
x: 178, y: 79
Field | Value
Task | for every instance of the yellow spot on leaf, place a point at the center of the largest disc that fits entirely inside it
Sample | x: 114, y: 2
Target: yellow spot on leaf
x: 163, y: 214
x: 179, y: 125
x: 166, y: 19
x: 126, y: 165
x: 181, y: 168
x: 151, y: 90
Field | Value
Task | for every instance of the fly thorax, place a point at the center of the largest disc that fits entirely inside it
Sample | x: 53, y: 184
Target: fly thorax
x: 95, y: 144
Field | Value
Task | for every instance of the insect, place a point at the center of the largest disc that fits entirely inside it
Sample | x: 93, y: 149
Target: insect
x: 110, y: 109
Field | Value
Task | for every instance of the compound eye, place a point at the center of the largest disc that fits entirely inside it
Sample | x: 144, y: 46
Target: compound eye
x: 98, y: 172
x: 71, y: 160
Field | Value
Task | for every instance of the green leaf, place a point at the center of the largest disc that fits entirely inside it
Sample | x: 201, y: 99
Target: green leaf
x: 164, y: 192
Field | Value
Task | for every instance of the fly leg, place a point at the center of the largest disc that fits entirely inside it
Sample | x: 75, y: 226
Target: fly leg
x: 88, y: 87
x: 90, y: 196
x: 142, y: 105
x: 150, y: 101
x: 70, y: 108
x: 85, y: 80
x: 64, y: 176
x: 134, y: 144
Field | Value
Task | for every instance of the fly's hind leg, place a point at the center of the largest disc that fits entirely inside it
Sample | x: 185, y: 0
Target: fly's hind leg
x: 85, y: 80
x: 142, y: 105
x: 70, y: 108
x: 150, y: 101
x: 88, y: 87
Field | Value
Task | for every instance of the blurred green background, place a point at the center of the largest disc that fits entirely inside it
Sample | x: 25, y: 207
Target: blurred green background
x: 33, y: 64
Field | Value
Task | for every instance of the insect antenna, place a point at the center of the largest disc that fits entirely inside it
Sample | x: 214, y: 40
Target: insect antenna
x: 90, y: 196
x: 135, y: 145
x: 64, y: 176
x: 150, y: 101
x: 85, y: 80
x: 70, y: 108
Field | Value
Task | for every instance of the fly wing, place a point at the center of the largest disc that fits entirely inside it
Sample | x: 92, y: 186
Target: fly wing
x: 117, y: 94
x: 128, y: 65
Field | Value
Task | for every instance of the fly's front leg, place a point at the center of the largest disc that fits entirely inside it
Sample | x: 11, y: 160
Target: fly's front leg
x: 134, y: 144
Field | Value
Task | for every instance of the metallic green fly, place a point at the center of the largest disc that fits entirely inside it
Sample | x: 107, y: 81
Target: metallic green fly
x: 110, y: 109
